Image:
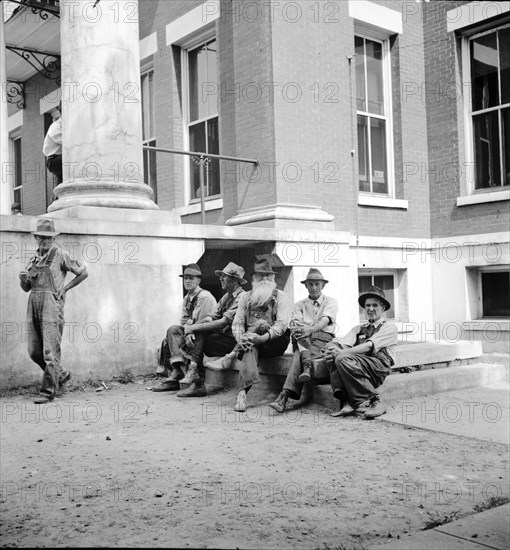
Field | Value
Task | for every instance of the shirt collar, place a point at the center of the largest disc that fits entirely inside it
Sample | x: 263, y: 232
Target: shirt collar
x: 380, y: 321
x: 195, y: 292
x: 236, y: 292
x: 319, y: 300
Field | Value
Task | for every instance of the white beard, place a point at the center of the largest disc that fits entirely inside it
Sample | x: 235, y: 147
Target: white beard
x: 261, y: 293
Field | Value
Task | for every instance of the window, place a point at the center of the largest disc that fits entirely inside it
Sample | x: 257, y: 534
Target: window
x: 489, y: 55
x: 17, y: 194
x: 386, y: 282
x: 202, y: 116
x: 373, y: 114
x: 494, y: 292
x: 150, y: 175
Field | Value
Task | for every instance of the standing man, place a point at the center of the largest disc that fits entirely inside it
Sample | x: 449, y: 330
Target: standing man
x: 45, y: 280
x: 177, y: 347
x: 312, y: 326
x: 213, y: 336
x: 52, y: 146
x: 260, y: 327
x: 360, y: 361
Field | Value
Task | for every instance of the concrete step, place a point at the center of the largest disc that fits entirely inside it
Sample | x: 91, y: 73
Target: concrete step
x: 396, y: 386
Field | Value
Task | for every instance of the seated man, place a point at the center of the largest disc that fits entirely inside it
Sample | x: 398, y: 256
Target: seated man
x: 213, y: 335
x: 360, y: 361
x: 312, y: 326
x: 260, y: 327
x: 175, y: 348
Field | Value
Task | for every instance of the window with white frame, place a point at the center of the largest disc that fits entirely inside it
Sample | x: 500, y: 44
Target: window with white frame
x: 17, y: 182
x: 385, y: 281
x: 150, y: 174
x: 373, y: 108
x: 489, y: 65
x: 494, y: 291
x: 201, y: 78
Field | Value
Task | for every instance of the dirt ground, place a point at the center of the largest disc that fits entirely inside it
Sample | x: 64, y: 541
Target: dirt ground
x: 126, y: 467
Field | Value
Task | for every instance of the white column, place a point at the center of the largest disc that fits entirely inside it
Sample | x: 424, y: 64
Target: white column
x: 101, y: 107
x: 5, y: 187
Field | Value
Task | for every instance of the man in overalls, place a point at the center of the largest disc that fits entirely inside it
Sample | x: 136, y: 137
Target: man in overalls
x: 178, y: 346
x: 45, y: 280
x: 260, y: 327
x: 361, y: 360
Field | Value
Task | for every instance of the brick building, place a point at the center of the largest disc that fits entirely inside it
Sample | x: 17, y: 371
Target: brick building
x: 387, y: 122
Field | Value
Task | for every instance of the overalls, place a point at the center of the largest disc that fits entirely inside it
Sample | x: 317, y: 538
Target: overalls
x: 45, y: 322
x: 260, y: 320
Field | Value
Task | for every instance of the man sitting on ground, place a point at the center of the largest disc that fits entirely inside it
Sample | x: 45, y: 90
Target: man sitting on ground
x: 213, y: 335
x: 312, y: 326
x: 260, y: 327
x: 198, y: 304
x: 361, y: 360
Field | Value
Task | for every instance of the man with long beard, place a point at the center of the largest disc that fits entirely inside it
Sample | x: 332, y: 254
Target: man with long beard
x: 260, y: 327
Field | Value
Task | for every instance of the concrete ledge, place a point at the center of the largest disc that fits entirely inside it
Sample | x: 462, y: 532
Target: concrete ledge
x: 426, y: 353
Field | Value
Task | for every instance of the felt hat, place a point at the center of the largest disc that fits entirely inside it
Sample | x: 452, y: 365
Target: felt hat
x: 45, y: 228
x: 232, y: 270
x: 314, y: 275
x: 263, y: 266
x: 373, y: 292
x: 193, y: 270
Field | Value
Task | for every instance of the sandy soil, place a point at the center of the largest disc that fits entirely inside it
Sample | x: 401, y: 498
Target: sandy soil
x: 128, y: 467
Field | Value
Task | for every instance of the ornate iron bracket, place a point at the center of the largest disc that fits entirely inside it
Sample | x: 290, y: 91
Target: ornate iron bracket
x: 38, y: 7
x: 16, y: 93
x: 46, y: 64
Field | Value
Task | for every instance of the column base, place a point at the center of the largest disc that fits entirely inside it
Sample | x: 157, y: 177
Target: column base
x: 103, y: 194
x: 283, y: 216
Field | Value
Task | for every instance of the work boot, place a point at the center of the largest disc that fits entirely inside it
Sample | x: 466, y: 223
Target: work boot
x: 191, y: 376
x: 42, y: 399
x: 223, y: 363
x: 280, y: 403
x: 240, y: 405
x: 307, y: 373
x: 375, y: 409
x: 176, y: 373
x: 346, y: 410
x: 306, y: 394
x: 195, y: 389
x: 65, y: 376
x: 167, y: 385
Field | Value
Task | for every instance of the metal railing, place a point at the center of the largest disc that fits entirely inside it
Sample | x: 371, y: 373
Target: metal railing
x: 202, y: 160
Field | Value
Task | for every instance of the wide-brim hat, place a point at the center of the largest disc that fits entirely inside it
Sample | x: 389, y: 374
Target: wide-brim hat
x: 373, y: 292
x: 45, y: 228
x: 192, y: 270
x: 263, y: 266
x: 314, y: 275
x: 232, y: 270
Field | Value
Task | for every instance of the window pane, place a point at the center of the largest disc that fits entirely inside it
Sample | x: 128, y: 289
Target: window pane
x: 359, y: 48
x: 486, y: 136
x: 363, y: 167
x: 202, y: 73
x: 145, y: 107
x: 386, y: 282
x: 374, y: 77
x: 484, y: 72
x: 496, y: 294
x: 505, y: 117
x: 196, y: 143
x: 378, y: 143
x: 213, y: 169
x: 504, y: 64
x: 18, y: 177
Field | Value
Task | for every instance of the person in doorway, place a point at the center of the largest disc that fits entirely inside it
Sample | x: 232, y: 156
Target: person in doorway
x: 52, y: 146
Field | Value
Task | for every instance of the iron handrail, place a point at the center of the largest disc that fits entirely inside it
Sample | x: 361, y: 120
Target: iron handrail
x: 202, y: 159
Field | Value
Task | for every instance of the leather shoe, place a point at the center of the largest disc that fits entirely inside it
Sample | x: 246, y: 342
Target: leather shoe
x: 240, y: 405
x: 42, y: 399
x: 193, y: 390
x: 280, y: 403
x: 307, y: 373
x: 346, y: 410
x: 167, y: 385
x: 376, y: 409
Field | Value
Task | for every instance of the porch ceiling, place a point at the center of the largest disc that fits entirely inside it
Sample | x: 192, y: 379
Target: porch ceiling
x: 27, y: 30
